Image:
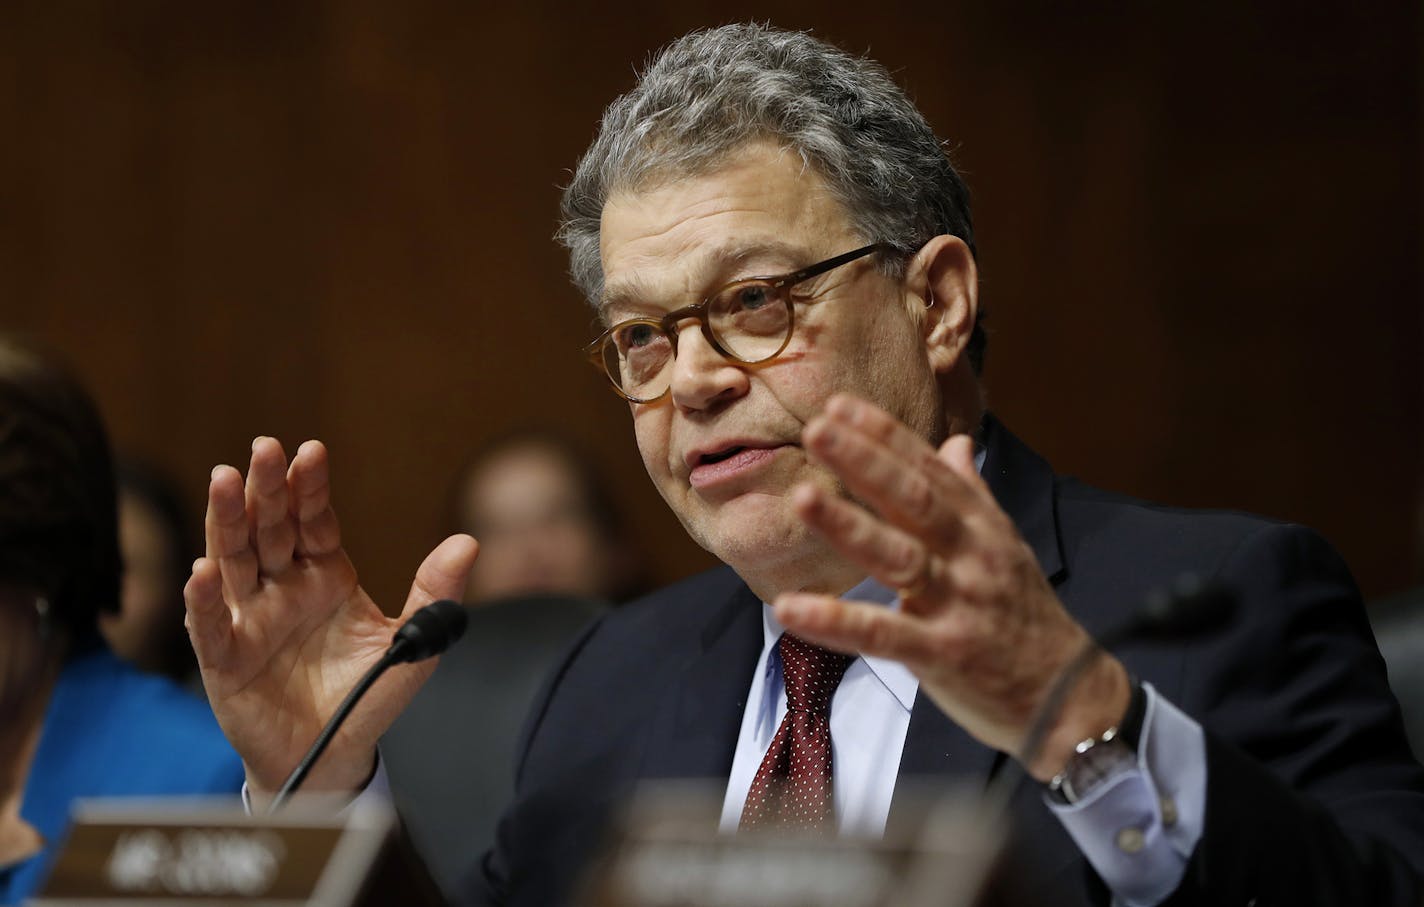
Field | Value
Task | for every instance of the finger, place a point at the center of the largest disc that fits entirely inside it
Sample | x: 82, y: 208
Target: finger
x: 208, y: 619
x: 309, y: 484
x: 893, y: 556
x: 270, y: 525
x: 225, y: 529
x: 874, y: 422
x: 444, y: 573
x: 856, y: 627
x: 916, y: 491
x: 958, y: 452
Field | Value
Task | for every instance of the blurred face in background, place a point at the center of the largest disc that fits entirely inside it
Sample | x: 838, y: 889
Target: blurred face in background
x: 537, y: 533
x: 152, y: 605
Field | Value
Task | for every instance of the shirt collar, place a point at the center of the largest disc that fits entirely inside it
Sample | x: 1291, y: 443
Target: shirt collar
x: 893, y: 675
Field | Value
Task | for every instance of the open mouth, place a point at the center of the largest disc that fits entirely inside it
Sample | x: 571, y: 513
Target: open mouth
x: 721, y: 455
x: 731, y: 467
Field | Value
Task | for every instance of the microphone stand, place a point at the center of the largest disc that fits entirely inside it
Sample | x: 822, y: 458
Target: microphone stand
x: 430, y: 631
x: 299, y: 774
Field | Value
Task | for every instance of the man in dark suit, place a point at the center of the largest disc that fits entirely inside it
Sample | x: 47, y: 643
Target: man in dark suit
x: 1301, y: 738
x: 822, y: 430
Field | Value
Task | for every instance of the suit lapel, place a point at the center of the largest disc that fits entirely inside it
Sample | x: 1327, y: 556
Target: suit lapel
x: 694, y: 730
x: 1022, y: 483
x: 936, y: 746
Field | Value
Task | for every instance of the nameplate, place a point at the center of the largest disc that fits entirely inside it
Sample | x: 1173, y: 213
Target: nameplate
x: 666, y: 851
x: 158, y: 853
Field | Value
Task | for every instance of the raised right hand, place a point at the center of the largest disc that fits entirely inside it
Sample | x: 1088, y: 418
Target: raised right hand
x: 283, y: 630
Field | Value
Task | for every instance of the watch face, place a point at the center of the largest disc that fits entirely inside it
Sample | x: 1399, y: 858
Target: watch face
x: 1094, y: 762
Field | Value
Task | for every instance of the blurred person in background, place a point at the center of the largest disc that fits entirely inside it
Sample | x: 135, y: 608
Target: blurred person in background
x: 546, y: 522
x: 554, y: 554
x: 75, y: 720
x: 157, y: 540
x: 28, y: 661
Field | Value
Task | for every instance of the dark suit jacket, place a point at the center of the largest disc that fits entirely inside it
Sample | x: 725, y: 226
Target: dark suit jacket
x: 1313, y: 797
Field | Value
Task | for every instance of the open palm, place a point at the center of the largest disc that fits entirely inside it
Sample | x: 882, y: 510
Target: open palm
x: 283, y: 630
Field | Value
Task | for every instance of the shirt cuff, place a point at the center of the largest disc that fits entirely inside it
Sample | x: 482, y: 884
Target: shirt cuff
x: 377, y: 789
x: 1139, y: 829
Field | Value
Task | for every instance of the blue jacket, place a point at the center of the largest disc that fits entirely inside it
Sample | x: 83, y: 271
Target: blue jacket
x: 113, y: 731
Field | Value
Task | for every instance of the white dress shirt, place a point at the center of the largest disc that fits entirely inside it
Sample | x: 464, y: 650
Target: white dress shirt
x: 870, y: 713
x: 1138, y: 830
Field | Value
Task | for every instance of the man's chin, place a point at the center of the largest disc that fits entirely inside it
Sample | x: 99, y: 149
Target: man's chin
x: 759, y: 541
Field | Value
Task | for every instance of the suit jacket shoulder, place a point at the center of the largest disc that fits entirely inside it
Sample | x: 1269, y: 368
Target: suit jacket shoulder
x: 1306, y: 753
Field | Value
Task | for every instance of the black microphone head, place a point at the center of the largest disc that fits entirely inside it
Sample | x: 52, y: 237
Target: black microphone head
x: 1188, y: 607
x: 430, y: 631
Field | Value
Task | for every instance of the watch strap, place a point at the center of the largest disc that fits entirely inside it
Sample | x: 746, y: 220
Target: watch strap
x: 1129, y: 729
x: 1098, y: 759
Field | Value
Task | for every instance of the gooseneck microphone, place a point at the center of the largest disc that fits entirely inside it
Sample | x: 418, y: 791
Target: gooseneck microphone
x: 427, y: 633
x: 430, y: 631
x: 1188, y: 608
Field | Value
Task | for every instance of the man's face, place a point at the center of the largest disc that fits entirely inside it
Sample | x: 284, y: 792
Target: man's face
x: 723, y: 446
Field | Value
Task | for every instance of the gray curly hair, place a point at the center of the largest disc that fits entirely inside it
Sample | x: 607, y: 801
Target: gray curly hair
x: 713, y: 91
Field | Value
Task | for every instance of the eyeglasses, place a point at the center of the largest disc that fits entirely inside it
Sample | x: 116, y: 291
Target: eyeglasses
x: 747, y: 321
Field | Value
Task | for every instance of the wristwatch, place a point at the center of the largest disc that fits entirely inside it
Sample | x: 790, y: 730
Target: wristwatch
x: 1098, y: 760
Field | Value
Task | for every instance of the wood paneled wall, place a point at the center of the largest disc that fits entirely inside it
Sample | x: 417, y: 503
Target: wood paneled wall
x: 1200, y: 237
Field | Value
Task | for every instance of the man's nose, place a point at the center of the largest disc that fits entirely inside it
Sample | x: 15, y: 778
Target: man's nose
x: 703, y: 378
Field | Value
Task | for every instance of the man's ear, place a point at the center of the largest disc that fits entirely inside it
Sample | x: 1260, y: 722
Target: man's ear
x: 946, y: 278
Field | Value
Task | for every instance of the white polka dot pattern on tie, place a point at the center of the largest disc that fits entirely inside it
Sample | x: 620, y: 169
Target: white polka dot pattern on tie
x: 792, y: 787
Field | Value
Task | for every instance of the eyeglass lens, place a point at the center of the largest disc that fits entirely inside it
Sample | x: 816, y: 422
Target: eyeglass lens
x: 750, y: 321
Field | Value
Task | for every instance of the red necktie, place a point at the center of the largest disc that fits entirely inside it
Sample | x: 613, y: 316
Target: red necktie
x: 792, y: 788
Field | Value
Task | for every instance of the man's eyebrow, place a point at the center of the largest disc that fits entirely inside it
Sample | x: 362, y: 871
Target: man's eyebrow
x: 625, y: 293
x: 718, y: 265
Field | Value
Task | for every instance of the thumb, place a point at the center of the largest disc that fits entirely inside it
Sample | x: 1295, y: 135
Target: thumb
x: 443, y: 573
x: 958, y: 452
